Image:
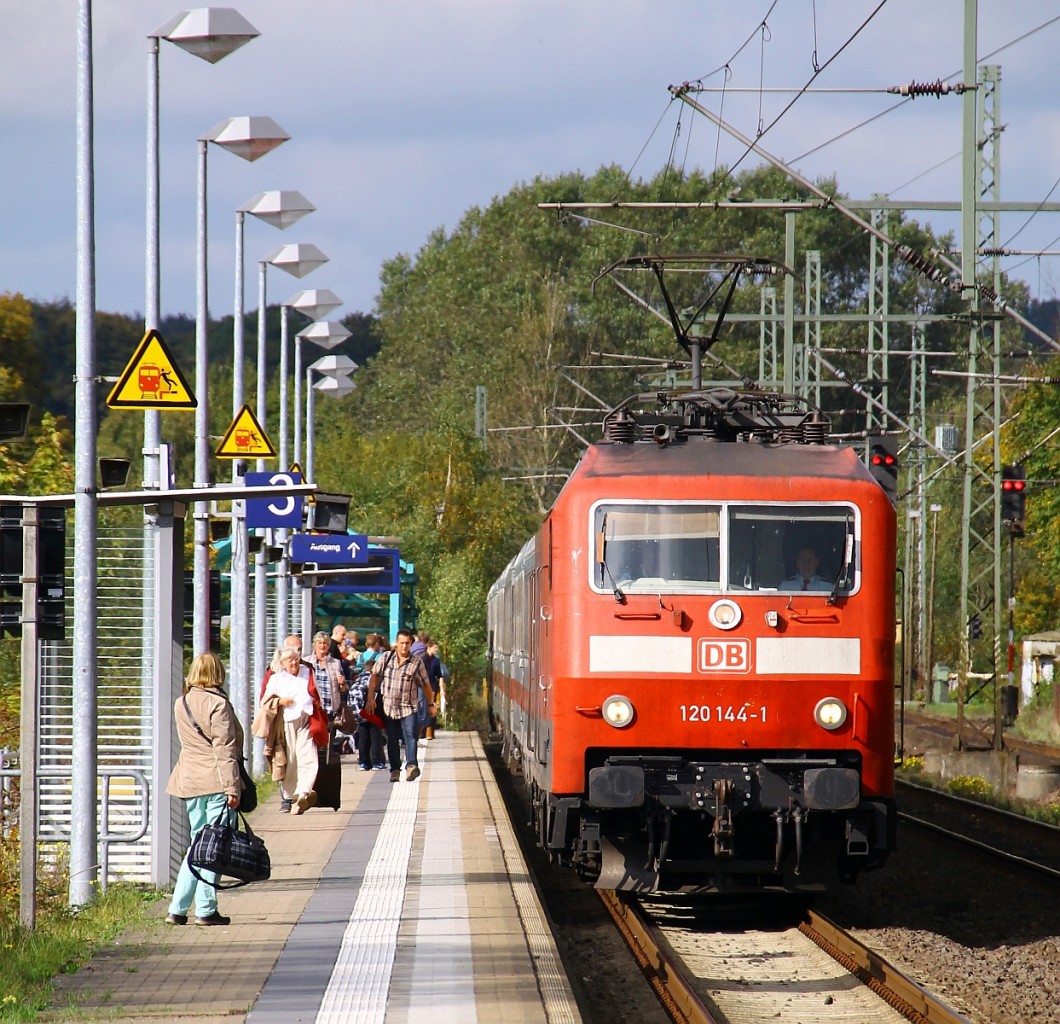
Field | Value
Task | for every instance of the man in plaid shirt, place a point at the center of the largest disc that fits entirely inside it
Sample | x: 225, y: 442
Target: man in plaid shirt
x: 401, y: 678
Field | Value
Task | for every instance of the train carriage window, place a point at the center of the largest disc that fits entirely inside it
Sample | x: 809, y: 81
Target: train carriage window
x: 657, y: 548
x: 774, y: 547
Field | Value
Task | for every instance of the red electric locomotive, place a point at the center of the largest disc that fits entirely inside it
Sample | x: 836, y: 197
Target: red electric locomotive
x: 692, y: 661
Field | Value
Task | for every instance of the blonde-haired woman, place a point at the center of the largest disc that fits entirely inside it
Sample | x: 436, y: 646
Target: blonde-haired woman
x: 296, y: 702
x: 206, y: 776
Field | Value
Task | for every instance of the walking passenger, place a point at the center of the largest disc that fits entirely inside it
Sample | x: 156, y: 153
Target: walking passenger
x: 434, y: 673
x: 292, y: 642
x: 296, y: 702
x: 419, y: 650
x: 338, y: 650
x: 328, y: 674
x: 374, y: 646
x: 369, y: 733
x: 400, y: 679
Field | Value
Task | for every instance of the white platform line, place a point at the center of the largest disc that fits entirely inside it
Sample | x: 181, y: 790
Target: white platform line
x: 360, y: 982
x: 559, y: 1002
x: 443, y: 984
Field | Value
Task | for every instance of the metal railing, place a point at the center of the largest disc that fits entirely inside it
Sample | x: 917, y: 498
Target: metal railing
x: 9, y: 771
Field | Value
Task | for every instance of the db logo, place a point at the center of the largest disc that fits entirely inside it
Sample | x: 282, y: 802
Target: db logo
x: 724, y: 655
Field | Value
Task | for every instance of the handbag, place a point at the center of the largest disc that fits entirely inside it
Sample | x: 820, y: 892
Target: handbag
x: 225, y: 850
x: 248, y: 798
x: 346, y: 720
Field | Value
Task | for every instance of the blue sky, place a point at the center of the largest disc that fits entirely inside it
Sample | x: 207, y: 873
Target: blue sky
x: 404, y: 113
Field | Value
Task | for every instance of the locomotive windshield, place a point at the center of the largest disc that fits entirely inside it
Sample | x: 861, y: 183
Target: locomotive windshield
x: 791, y: 548
x: 689, y: 547
x: 643, y: 548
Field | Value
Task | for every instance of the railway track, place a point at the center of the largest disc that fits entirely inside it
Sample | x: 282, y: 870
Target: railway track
x: 1018, y: 840
x: 810, y: 972
x: 942, y: 730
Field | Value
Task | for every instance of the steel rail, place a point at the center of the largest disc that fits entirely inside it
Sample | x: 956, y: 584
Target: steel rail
x: 976, y: 844
x: 683, y: 1004
x: 897, y: 989
x: 661, y: 972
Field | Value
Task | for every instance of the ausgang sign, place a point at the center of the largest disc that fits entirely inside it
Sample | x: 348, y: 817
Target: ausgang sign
x: 330, y: 549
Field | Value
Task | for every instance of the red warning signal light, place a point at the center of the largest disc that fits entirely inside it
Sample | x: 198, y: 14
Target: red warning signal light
x: 883, y: 463
x: 1013, y: 498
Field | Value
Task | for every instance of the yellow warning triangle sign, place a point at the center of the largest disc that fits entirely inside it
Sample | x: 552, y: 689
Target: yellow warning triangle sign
x: 245, y: 439
x: 151, y: 379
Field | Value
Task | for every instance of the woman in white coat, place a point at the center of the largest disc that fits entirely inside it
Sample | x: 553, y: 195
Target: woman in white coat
x: 292, y: 690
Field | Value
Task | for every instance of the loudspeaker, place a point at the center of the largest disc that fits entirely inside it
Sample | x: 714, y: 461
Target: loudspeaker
x: 14, y: 420
x: 113, y: 472
x: 329, y: 513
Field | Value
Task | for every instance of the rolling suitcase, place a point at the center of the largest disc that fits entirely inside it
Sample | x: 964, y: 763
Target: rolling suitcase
x: 329, y: 778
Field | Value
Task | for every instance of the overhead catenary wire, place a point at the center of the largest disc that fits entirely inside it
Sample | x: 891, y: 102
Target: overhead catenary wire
x: 980, y: 60
x: 908, y: 255
x: 762, y: 131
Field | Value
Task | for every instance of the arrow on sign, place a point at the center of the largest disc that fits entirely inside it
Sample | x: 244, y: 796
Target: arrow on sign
x: 330, y: 549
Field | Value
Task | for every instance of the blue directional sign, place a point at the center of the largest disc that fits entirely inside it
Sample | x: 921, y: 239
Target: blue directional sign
x: 381, y: 575
x: 281, y: 512
x: 330, y: 548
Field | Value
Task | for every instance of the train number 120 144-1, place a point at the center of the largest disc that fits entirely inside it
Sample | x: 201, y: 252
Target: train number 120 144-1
x: 721, y: 713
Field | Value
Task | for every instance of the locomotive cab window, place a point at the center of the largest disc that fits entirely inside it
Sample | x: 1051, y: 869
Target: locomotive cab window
x: 791, y: 548
x: 657, y: 548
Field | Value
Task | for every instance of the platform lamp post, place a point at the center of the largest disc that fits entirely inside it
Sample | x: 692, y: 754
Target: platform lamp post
x: 327, y: 334
x: 210, y: 33
x: 249, y: 138
x: 297, y: 260
x: 335, y: 381
x: 335, y: 372
x: 281, y: 208
x: 314, y: 304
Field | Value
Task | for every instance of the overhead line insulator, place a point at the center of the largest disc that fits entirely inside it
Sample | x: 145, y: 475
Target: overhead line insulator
x: 937, y: 88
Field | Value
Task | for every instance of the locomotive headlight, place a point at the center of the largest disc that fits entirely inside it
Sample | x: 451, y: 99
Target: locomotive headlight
x: 830, y: 713
x: 617, y: 711
x: 725, y: 614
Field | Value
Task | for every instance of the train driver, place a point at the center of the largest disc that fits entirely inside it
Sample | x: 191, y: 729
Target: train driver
x: 806, y: 578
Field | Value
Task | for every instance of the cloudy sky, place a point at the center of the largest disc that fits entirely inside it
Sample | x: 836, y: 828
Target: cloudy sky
x: 404, y: 113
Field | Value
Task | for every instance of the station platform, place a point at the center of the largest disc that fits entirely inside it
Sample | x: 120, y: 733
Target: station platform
x: 410, y: 904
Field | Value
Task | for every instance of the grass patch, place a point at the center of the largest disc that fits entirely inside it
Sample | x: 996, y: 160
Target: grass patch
x: 62, y: 941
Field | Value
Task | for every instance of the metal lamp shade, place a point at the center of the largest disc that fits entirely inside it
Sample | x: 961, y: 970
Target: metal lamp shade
x: 334, y: 364
x: 280, y: 207
x: 250, y: 137
x: 336, y: 387
x: 325, y: 333
x: 315, y: 303
x: 297, y: 258
x: 209, y: 32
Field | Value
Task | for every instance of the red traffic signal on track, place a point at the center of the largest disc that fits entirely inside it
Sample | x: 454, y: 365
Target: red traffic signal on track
x: 1013, y: 493
x: 883, y: 463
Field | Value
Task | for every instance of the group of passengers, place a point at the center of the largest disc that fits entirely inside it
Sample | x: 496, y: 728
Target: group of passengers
x: 339, y: 699
x: 370, y: 702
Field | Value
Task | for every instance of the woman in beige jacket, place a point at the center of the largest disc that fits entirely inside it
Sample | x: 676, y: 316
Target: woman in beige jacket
x: 206, y: 776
